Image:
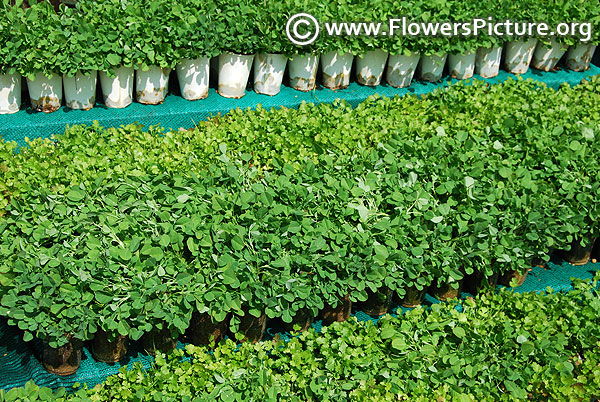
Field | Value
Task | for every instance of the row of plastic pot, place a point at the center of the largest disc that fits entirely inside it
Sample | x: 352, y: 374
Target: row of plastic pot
x: 65, y: 360
x: 151, y: 86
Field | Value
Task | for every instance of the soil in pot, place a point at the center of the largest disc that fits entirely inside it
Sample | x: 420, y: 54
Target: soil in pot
x: 578, y: 255
x: 370, y: 67
x: 378, y: 302
x: 487, y: 61
x: 413, y: 297
x: 252, y: 327
x: 302, y: 71
x: 336, y: 67
x: 64, y: 360
x: 508, y: 276
x: 203, y: 331
x: 339, y: 313
x: 159, y: 340
x: 445, y: 291
x: 518, y: 55
x: 45, y: 92
x: 431, y: 67
x: 579, y: 57
x: 303, y: 319
x: 107, y: 351
x: 477, y: 281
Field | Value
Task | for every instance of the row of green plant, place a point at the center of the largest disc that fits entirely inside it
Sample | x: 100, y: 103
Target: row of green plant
x: 102, y: 35
x: 130, y: 254
x: 82, y: 153
x: 497, y: 347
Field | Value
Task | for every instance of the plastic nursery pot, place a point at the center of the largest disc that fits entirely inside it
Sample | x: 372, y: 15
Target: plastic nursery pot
x: 268, y: 73
x: 107, y: 351
x: 193, y: 77
x: 336, y: 67
x: 234, y: 70
x: 445, y: 291
x: 487, y: 61
x: 252, y: 327
x: 431, y: 67
x: 339, y: 313
x: 80, y: 90
x: 518, y: 55
x: 378, y: 302
x: 461, y: 66
x: 10, y: 93
x: 151, y: 86
x: 579, y: 57
x: 547, y: 56
x: 477, y: 281
x: 508, y: 276
x: 578, y: 255
x: 117, y: 91
x: 413, y: 297
x: 45, y: 92
x: 401, y: 69
x: 203, y: 331
x: 302, y: 71
x: 370, y: 67
x: 303, y: 319
x: 159, y: 340
x: 64, y: 360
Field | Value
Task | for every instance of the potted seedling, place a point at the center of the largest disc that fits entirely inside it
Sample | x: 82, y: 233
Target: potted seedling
x: 110, y: 21
x: 44, y: 42
x: 194, y: 43
x: 584, y: 44
x: 371, y: 51
x: 10, y: 55
x: 519, y: 48
x: 80, y: 66
x: 462, y: 50
x: 154, y: 56
x: 335, y: 67
x: 273, y: 50
x: 402, y: 62
x: 238, y: 42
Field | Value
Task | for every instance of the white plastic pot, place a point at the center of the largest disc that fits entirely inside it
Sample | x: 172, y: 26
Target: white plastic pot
x: 45, y: 93
x: 117, y: 91
x: 461, y: 66
x: 151, y: 86
x: 268, y: 73
x: 193, y: 77
x: 80, y: 90
x: 10, y: 93
x: 234, y: 71
x: 580, y: 56
x: 546, y: 57
x: 401, y: 69
x: 370, y: 67
x: 487, y: 61
x: 336, y: 67
x: 302, y: 71
x: 518, y: 55
x: 431, y: 67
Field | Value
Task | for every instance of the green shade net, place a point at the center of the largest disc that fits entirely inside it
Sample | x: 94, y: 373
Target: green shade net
x: 177, y: 112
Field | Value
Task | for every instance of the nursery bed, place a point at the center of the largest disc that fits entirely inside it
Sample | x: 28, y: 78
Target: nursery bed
x: 18, y: 363
x: 177, y: 112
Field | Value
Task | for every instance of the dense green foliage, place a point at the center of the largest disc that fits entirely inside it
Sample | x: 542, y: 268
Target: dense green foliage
x: 497, y: 347
x: 103, y: 34
x: 472, y: 178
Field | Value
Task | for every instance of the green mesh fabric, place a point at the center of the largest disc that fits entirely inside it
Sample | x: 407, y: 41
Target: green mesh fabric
x: 176, y: 112
x: 18, y: 361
